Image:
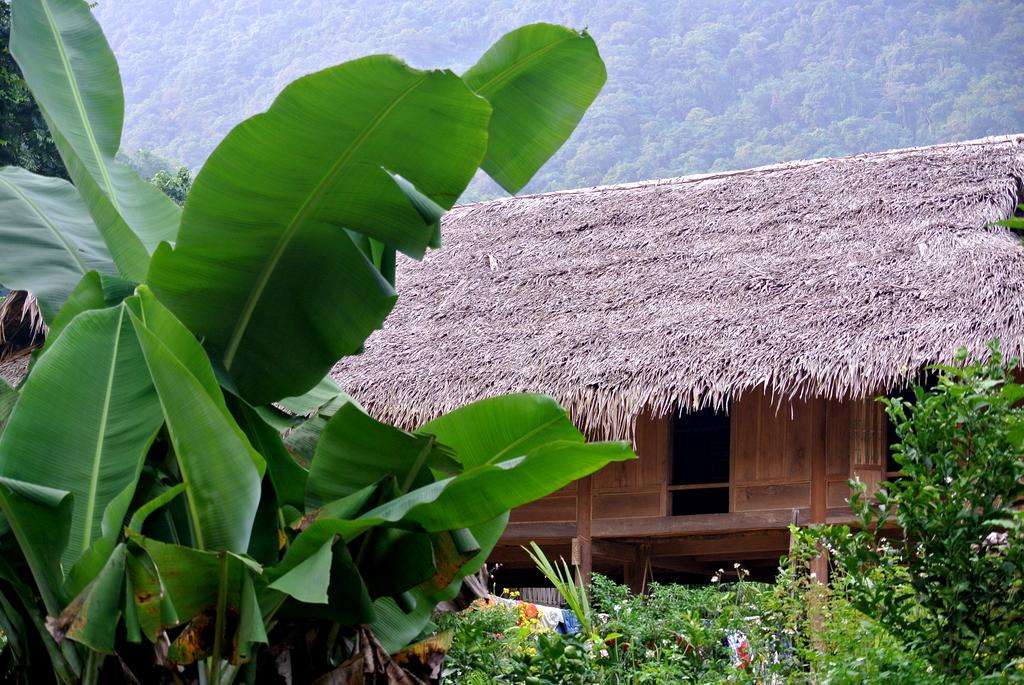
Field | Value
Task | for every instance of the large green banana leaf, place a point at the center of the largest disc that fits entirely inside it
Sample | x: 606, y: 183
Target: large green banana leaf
x: 94, y: 291
x: 48, y: 240
x: 395, y: 628
x: 475, y: 497
x: 73, y: 75
x: 499, y: 428
x: 288, y: 478
x: 95, y: 379
x: 323, y: 393
x: 540, y: 80
x: 190, y: 576
x: 308, y: 580
x: 40, y: 518
x: 92, y: 617
x: 483, y: 492
x: 150, y: 603
x: 220, y: 469
x: 356, y: 450
x: 262, y: 262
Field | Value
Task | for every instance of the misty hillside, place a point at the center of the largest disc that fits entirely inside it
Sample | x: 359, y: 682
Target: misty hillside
x: 693, y: 85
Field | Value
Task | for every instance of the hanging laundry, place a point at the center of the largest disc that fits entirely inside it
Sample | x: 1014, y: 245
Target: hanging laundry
x: 550, y: 617
x: 572, y: 624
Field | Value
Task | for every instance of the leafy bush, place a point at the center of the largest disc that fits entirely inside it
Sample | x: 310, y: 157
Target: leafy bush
x: 477, y: 634
x: 950, y: 584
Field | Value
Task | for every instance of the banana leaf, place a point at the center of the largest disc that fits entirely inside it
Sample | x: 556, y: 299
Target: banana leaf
x: 94, y: 291
x: 39, y: 518
x: 356, y: 450
x: 540, y: 79
x: 223, y: 493
x: 262, y: 262
x: 95, y: 379
x: 92, y: 617
x: 48, y: 239
x: 72, y: 73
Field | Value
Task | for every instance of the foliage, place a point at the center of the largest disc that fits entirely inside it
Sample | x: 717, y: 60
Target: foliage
x: 174, y: 180
x: 158, y: 502
x: 24, y: 139
x: 695, y: 85
x: 952, y: 582
x: 476, y: 632
x: 681, y: 633
x: 174, y: 185
x: 826, y: 631
x: 146, y: 163
x: 1015, y: 222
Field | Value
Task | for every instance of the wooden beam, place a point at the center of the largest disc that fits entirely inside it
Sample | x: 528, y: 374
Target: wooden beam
x: 685, y: 566
x: 523, y: 532
x: 616, y: 551
x: 584, y: 514
x: 513, y: 555
x: 667, y: 526
x: 642, y: 565
x: 768, y: 554
x: 723, y: 545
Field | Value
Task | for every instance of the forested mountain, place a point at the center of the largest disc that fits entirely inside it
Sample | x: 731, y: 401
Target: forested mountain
x: 693, y: 85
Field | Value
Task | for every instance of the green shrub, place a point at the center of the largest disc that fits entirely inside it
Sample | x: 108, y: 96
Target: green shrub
x: 480, y: 643
x: 950, y: 585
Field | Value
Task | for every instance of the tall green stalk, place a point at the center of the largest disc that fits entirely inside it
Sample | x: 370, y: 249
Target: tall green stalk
x: 574, y: 593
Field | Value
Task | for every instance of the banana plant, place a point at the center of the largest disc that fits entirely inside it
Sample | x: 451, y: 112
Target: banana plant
x: 181, y: 484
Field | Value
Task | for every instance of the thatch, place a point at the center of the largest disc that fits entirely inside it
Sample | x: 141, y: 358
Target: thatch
x: 13, y: 371
x: 22, y: 328
x: 834, y: 277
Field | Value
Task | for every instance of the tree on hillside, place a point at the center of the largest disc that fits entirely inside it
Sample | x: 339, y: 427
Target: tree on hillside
x: 24, y: 139
x: 174, y: 186
x: 694, y: 85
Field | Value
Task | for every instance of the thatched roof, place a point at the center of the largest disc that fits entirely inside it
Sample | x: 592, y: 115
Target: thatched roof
x: 13, y: 371
x: 836, y: 277
x: 22, y: 328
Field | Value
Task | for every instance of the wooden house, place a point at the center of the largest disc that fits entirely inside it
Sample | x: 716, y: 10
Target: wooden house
x: 736, y: 326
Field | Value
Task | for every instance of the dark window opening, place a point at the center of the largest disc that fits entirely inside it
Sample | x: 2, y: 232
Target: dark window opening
x: 700, y: 463
x: 700, y: 501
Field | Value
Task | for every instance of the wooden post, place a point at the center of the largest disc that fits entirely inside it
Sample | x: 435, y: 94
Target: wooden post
x: 816, y: 596
x: 641, y: 563
x: 584, y: 511
x: 819, y: 502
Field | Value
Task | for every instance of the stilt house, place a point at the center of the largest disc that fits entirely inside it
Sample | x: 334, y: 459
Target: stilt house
x: 736, y: 326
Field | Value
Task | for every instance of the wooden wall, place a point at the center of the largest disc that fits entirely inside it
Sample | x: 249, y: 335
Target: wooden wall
x: 773, y: 447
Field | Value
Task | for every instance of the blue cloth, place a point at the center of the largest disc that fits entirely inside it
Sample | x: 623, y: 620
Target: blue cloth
x: 571, y: 623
